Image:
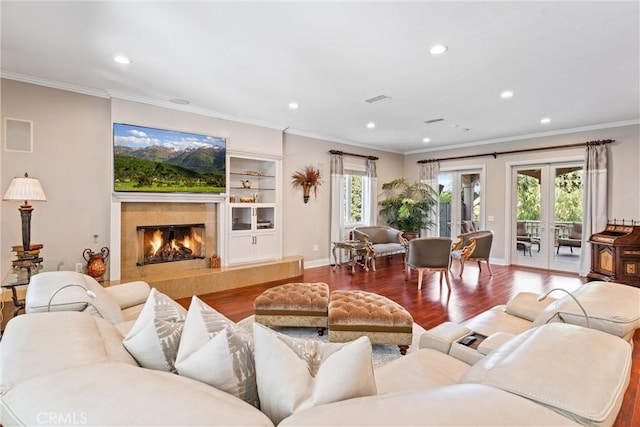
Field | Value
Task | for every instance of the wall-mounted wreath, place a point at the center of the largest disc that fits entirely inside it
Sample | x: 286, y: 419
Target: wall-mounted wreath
x: 308, y: 178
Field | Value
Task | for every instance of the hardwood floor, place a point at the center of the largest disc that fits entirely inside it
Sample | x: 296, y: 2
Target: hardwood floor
x: 472, y: 294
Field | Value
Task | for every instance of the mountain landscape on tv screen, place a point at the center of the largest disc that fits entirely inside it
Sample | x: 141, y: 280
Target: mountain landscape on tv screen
x: 155, y: 160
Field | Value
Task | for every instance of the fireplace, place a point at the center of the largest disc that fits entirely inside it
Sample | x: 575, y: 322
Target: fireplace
x: 169, y: 243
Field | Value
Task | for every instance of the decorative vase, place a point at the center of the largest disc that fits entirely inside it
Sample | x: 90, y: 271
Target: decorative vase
x: 306, y: 186
x: 96, y: 262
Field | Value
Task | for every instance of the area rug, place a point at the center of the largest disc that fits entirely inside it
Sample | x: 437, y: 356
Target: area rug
x: 382, y: 354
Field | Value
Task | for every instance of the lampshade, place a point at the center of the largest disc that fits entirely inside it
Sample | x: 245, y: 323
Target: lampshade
x: 25, y: 189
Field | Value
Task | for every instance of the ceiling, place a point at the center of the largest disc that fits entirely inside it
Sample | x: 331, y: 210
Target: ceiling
x: 577, y: 63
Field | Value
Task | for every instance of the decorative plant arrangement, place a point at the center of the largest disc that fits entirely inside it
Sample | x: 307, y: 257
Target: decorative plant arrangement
x: 407, y: 206
x: 308, y: 178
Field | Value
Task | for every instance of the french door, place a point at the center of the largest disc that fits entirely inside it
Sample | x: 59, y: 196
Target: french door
x: 461, y: 207
x: 547, y: 213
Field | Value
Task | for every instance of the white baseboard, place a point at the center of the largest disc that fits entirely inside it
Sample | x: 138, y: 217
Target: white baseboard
x: 317, y: 263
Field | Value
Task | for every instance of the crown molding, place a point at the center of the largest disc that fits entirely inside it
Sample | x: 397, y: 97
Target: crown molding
x: 529, y: 136
x: 53, y: 84
x: 192, y: 109
x: 337, y: 140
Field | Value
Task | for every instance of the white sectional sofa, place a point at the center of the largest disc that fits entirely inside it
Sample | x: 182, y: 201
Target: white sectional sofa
x: 66, y: 367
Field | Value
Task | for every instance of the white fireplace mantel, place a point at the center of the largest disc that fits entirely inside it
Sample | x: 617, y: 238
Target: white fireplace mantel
x: 169, y: 197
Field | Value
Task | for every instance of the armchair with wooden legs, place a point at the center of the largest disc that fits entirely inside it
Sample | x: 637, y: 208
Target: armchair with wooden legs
x: 474, y: 246
x: 429, y: 254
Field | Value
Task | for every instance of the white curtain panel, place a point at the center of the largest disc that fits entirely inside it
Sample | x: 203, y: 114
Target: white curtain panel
x: 370, y: 187
x: 429, y: 175
x: 595, y: 200
x: 337, y: 185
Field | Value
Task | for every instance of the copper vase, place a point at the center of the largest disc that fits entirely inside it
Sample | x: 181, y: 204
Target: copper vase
x: 96, y: 262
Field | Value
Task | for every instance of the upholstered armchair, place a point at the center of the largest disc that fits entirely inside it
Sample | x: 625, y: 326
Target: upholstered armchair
x: 429, y: 254
x: 574, y: 240
x: 474, y: 246
x: 385, y: 241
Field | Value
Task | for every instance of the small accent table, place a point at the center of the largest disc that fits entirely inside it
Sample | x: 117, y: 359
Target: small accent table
x: 360, y: 253
x: 15, y: 280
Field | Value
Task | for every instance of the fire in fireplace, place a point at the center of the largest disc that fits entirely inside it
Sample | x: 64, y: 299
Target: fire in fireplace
x: 168, y: 243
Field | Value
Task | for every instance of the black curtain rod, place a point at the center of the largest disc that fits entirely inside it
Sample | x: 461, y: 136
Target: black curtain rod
x: 342, y: 153
x: 495, y: 154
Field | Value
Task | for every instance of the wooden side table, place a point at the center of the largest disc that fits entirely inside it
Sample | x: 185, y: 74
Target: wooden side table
x: 360, y: 253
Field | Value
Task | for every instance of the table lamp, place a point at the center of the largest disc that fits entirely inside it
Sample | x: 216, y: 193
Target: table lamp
x: 25, y: 189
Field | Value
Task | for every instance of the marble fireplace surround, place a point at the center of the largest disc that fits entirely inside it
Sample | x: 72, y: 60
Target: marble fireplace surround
x: 132, y: 210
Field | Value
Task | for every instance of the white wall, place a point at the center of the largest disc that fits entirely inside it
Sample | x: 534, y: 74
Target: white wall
x: 308, y: 224
x: 239, y: 136
x: 624, y: 172
x: 71, y: 159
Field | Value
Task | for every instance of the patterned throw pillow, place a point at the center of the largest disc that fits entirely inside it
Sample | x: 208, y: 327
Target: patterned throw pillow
x: 294, y: 374
x: 154, y: 339
x: 216, y: 351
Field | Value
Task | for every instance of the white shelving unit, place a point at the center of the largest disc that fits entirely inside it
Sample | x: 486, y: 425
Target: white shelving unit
x: 253, y: 233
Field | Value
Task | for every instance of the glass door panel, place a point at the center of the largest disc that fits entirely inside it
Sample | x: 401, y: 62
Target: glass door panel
x: 460, y: 202
x: 547, y: 224
x: 568, y: 215
x: 528, y: 239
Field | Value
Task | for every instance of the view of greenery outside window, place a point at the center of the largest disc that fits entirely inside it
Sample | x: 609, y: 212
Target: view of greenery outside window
x: 353, y: 214
x: 528, y: 198
x: 568, y: 197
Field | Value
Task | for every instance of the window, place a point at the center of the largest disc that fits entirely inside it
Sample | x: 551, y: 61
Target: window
x: 354, y: 207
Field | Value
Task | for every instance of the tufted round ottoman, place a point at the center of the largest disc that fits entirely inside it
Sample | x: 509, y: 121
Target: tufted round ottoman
x: 294, y: 304
x: 353, y: 314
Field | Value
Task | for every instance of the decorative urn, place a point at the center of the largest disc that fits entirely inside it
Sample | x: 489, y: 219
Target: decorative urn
x: 96, y: 262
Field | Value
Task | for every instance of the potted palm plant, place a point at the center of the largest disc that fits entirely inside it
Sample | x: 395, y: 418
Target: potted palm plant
x: 407, y: 206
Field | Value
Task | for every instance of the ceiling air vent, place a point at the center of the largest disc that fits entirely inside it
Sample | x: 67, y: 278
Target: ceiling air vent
x: 433, y: 121
x: 378, y: 98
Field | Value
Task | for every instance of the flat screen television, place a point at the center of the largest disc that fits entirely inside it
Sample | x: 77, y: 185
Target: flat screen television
x: 164, y: 161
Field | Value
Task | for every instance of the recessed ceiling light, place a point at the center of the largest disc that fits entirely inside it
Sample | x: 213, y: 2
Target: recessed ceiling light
x: 371, y: 125
x: 506, y: 94
x: 293, y: 105
x: 121, y: 59
x: 545, y: 120
x: 179, y: 101
x: 438, y: 49
x: 425, y: 140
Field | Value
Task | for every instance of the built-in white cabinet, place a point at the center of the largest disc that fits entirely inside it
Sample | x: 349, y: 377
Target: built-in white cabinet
x: 252, y: 232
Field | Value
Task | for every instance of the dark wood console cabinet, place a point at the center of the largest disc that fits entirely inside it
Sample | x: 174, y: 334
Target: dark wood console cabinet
x: 615, y: 255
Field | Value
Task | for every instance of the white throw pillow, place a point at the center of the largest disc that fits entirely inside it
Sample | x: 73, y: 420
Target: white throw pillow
x: 216, y: 351
x: 294, y: 374
x: 154, y: 338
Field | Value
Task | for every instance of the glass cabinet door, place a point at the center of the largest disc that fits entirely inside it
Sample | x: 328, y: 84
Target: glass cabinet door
x: 264, y: 218
x: 241, y: 218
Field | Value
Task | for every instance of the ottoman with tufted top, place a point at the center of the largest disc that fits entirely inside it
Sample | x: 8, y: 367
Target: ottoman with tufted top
x: 353, y: 314
x: 294, y: 304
